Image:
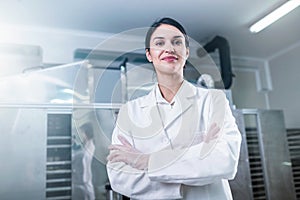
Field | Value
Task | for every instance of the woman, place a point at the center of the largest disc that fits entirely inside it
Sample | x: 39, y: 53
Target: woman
x: 179, y: 141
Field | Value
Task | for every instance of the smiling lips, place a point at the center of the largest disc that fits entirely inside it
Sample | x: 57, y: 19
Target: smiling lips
x: 170, y: 58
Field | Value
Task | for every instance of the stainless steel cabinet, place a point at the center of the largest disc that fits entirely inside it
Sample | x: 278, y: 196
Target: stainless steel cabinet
x: 265, y: 141
x: 23, y: 153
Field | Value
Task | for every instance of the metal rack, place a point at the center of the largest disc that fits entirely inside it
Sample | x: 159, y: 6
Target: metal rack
x: 269, y: 160
x: 59, y: 161
x: 256, y: 165
x: 294, y: 148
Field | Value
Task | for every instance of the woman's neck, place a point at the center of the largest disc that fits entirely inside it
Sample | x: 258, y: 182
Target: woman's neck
x: 169, y: 86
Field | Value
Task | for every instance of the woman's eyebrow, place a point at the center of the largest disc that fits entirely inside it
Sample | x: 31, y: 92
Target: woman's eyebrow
x: 179, y: 36
x: 159, y: 37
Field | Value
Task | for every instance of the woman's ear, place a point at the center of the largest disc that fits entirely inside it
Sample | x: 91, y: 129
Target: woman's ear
x: 148, y: 55
x: 187, y: 52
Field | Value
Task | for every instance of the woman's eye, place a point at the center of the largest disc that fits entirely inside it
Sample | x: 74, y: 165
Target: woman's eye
x: 177, y: 42
x: 159, y: 43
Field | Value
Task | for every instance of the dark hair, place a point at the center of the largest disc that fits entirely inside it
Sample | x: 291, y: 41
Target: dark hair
x: 165, y: 20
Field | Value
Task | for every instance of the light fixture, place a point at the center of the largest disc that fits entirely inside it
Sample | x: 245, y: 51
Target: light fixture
x: 275, y: 15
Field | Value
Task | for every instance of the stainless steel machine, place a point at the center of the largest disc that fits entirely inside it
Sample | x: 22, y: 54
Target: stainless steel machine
x: 44, y: 153
x: 265, y: 168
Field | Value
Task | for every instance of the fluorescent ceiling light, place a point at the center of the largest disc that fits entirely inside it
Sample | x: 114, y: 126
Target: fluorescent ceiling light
x: 275, y: 15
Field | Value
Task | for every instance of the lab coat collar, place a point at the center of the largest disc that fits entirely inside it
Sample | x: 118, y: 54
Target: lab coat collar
x: 185, y: 94
x: 184, y: 100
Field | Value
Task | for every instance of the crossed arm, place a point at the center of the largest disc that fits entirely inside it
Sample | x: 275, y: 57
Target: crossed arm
x: 127, y: 154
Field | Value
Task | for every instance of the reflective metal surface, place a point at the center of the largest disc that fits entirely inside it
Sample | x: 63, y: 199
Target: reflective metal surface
x: 270, y: 163
x: 23, y: 153
x: 241, y: 187
x: 44, y: 154
x: 89, y: 151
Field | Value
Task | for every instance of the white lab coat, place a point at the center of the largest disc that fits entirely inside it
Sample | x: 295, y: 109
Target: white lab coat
x: 181, y: 164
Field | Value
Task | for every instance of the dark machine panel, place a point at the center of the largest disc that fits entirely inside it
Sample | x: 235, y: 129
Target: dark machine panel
x: 59, y: 169
x: 294, y: 148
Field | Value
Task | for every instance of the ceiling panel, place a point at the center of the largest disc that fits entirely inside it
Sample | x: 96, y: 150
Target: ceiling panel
x: 202, y: 19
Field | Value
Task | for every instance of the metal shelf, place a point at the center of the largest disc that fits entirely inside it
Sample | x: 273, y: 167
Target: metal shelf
x: 58, y: 146
x: 59, y: 180
x: 58, y: 165
x: 59, y: 198
x: 58, y: 189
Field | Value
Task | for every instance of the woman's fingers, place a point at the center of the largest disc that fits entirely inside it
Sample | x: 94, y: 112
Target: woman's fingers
x: 134, y: 159
x: 121, y: 156
x: 212, y: 133
x: 126, y: 153
x: 124, y: 141
x: 119, y: 147
x: 214, y: 129
x: 109, y: 157
x: 115, y: 158
x: 115, y: 147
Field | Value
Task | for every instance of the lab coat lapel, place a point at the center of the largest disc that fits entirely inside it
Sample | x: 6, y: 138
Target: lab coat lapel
x: 184, y: 100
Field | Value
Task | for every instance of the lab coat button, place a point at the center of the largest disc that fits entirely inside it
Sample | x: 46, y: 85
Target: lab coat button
x: 165, y: 140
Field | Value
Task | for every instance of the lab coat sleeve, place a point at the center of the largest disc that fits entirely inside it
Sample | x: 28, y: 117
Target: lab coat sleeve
x: 135, y: 183
x: 203, y: 163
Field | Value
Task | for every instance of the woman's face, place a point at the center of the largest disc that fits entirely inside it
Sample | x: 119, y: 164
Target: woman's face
x: 168, y: 50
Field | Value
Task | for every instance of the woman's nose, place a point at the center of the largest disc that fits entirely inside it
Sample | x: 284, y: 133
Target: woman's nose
x: 169, y: 48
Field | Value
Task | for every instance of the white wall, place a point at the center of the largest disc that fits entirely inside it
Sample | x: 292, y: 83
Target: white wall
x: 245, y: 91
x: 285, y: 73
x: 251, y: 83
x: 16, y: 58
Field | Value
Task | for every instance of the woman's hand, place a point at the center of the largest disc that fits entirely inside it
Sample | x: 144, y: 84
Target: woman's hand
x: 212, y: 133
x: 128, y: 154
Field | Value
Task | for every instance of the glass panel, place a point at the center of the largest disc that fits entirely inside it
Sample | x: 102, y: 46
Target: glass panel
x: 64, y: 84
x: 91, y: 133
